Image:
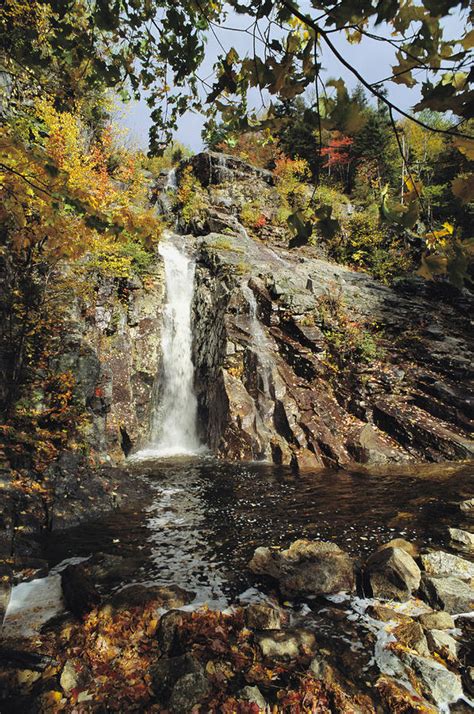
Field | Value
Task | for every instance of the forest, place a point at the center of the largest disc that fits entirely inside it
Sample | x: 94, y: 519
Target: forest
x: 188, y: 336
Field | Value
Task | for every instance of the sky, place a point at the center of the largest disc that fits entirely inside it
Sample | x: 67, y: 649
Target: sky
x: 373, y: 60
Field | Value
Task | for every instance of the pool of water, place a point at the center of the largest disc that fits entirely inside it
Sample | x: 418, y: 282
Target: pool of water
x: 206, y: 518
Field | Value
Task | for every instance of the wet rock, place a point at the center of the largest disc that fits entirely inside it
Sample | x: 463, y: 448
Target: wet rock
x: 286, y: 644
x: 405, y: 545
x: 411, y: 635
x: 171, y: 596
x: 75, y: 675
x: 451, y: 594
x: 434, y: 681
x: 443, y: 644
x: 306, y: 568
x: 464, y: 537
x: 441, y: 564
x: 79, y: 592
x: 254, y: 696
x: 262, y: 617
x: 392, y: 573
x: 436, y: 620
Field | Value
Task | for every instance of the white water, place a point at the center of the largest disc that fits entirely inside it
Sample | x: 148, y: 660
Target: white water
x: 174, y: 419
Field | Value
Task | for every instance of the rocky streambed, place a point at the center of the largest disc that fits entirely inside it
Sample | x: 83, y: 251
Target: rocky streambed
x: 246, y: 588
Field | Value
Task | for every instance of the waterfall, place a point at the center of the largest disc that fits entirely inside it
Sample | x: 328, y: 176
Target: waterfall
x: 174, y: 414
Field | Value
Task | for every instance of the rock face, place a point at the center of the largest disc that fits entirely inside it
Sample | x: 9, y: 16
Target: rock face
x: 306, y: 568
x: 392, y: 573
x: 269, y: 383
x: 113, y: 349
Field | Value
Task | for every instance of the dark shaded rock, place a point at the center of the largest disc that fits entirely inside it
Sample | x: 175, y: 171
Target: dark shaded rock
x: 307, y: 568
x: 168, y: 632
x: 6, y: 580
x: 180, y: 681
x: 140, y: 595
x: 451, y: 594
x: 26, y: 660
x: 79, y: 592
x: 189, y: 691
x: 392, y: 573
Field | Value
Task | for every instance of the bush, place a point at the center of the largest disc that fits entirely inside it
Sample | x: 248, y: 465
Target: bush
x: 191, y: 197
x: 363, y: 244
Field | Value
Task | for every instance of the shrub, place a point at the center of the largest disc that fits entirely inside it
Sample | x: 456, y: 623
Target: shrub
x: 191, y: 197
x: 290, y: 176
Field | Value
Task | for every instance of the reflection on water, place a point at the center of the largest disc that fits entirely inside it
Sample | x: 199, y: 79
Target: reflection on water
x: 207, y: 517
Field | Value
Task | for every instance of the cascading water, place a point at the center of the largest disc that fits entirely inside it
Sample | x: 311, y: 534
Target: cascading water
x: 174, y: 415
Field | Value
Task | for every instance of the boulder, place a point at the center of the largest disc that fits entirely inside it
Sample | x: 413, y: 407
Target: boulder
x: 168, y: 631
x: 262, y: 617
x: 286, y: 644
x: 432, y: 679
x: 465, y: 538
x: 398, y: 698
x: 441, y: 564
x: 451, y: 594
x: 436, y: 620
x: 391, y: 573
x: 411, y: 635
x: 307, y: 568
x: 443, y: 644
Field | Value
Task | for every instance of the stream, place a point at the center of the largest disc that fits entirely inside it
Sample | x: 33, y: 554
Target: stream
x: 208, y: 516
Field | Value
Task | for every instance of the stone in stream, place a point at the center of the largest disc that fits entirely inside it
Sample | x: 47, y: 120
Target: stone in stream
x: 260, y: 616
x: 433, y: 680
x: 451, y: 594
x: 398, y: 698
x: 436, y: 620
x: 391, y: 573
x: 464, y: 537
x: 386, y: 614
x: 306, y: 568
x: 441, y: 564
x: 168, y: 631
x: 467, y: 506
x: 286, y: 644
x: 443, y: 644
x: 411, y: 635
